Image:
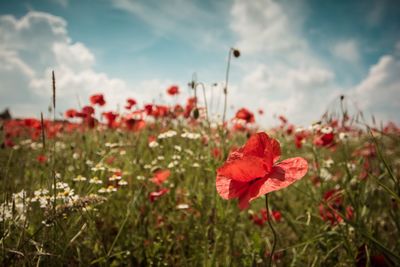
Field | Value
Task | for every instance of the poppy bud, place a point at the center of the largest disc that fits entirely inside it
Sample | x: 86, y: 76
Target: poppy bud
x: 236, y: 53
x: 191, y: 84
x: 196, y: 113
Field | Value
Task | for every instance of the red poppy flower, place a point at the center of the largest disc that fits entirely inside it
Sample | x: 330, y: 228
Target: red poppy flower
x: 41, y: 159
x: 245, y: 115
x: 261, y: 218
x: 97, y: 99
x: 173, y: 90
x: 160, y: 176
x: 153, y: 196
x: 334, y: 204
x: 130, y: 102
x: 253, y: 170
x: 190, y: 105
x: 110, y: 117
x: 71, y: 113
x: 87, y: 111
x: 325, y: 139
x: 8, y: 143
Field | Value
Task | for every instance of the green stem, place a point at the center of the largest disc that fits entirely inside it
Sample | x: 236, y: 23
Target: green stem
x: 273, y: 232
x: 226, y: 85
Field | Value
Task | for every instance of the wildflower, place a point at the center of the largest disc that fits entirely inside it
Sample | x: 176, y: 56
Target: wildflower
x: 262, y: 217
x: 140, y: 178
x: 160, y: 176
x: 245, y: 115
x: 97, y: 99
x: 71, y: 113
x: 108, y: 189
x: 172, y: 164
x: 176, y: 157
x: 61, y: 185
x: 182, y: 206
x: 325, y: 174
x: 79, y: 178
x: 98, y: 167
x: 153, y: 144
x: 192, y: 136
x: 114, y: 177
x: 122, y: 182
x: 167, y: 134
x: 253, y: 171
x: 173, y: 90
x: 110, y: 117
x: 328, y: 163
x: 130, y: 103
x: 41, y: 159
x: 153, y: 196
x: 95, y: 180
x: 333, y: 205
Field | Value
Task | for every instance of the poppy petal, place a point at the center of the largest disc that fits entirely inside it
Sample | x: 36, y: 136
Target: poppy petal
x: 245, y: 169
x: 282, y: 175
x: 255, y: 146
x: 228, y: 188
x: 276, y: 149
x: 161, y: 176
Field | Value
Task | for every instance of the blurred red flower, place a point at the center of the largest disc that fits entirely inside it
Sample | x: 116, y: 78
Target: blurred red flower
x: 110, y: 117
x: 190, y: 105
x: 130, y: 102
x: 87, y: 111
x: 325, y: 139
x: 97, y: 99
x: 261, y: 217
x: 41, y: 158
x: 253, y: 170
x: 245, y: 115
x: 71, y: 113
x: 153, y: 196
x: 333, y: 205
x: 160, y: 176
x: 173, y: 90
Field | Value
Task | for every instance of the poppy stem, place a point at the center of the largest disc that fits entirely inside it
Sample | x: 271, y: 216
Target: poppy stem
x: 226, y: 85
x: 273, y: 232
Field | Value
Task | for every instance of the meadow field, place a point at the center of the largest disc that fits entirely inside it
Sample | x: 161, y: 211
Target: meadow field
x: 165, y: 185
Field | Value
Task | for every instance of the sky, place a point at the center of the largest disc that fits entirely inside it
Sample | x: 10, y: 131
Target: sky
x: 297, y: 57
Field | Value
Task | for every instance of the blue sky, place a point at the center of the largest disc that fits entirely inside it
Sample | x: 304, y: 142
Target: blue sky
x: 297, y: 56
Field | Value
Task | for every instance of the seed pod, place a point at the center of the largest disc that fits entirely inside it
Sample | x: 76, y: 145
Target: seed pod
x: 196, y: 113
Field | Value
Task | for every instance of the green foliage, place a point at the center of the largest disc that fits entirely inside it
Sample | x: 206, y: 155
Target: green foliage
x: 191, y: 224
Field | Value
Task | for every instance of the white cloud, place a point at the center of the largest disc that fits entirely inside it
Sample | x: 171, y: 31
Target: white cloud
x: 379, y: 92
x: 263, y: 26
x: 186, y: 20
x: 281, y: 73
x: 37, y: 43
x: 347, y: 50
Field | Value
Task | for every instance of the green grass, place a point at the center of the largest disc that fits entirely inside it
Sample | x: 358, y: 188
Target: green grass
x: 124, y: 228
